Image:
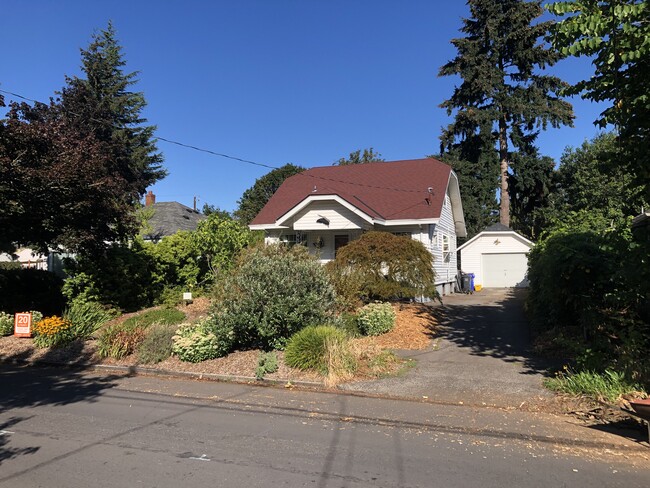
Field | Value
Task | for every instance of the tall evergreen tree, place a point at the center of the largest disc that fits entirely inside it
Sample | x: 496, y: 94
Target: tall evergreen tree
x: 475, y: 162
x: 103, y: 104
x: 531, y: 184
x: 499, y: 60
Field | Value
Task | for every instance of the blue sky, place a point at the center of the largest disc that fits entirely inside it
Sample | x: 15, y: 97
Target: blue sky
x: 286, y: 81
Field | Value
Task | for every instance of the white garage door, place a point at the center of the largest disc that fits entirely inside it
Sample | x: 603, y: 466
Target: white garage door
x: 505, y: 270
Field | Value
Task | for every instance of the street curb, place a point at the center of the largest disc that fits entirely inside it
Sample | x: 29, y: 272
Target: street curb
x: 144, y: 371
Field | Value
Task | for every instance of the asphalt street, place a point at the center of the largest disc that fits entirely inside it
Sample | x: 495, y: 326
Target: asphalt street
x: 72, y: 429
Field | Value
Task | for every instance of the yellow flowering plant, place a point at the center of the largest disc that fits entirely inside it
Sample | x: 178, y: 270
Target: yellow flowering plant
x: 53, y: 331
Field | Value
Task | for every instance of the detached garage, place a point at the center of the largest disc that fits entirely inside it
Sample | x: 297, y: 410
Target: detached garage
x: 498, y: 257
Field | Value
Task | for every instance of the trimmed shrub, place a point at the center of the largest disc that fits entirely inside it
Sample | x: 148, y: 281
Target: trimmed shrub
x: 196, y: 343
x: 30, y: 289
x: 270, y: 294
x: 266, y: 364
x: 385, y: 267
x: 87, y: 317
x: 120, y: 340
x: 310, y: 347
x: 376, y: 318
x: 157, y: 344
x: 53, y: 332
x: 164, y: 316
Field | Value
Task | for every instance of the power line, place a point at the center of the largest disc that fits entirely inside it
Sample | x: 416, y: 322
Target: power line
x: 234, y: 158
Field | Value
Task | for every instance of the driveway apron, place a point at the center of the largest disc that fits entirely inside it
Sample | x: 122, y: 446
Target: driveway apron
x: 481, y: 356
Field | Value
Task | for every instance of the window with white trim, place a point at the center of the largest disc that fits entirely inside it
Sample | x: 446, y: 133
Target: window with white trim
x: 446, y: 247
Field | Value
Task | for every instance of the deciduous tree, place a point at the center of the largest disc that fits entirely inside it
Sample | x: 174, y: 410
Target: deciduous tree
x: 616, y: 35
x: 368, y: 156
x: 254, y: 199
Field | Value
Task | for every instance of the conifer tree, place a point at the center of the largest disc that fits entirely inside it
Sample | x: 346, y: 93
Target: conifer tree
x: 103, y: 104
x: 499, y: 62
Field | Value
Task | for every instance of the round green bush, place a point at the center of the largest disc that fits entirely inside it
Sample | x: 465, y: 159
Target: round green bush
x: 270, y: 294
x: 196, y: 343
x: 376, y: 318
x: 307, y: 348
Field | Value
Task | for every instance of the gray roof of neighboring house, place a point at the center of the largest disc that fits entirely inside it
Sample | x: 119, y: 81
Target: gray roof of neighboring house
x: 498, y: 228
x: 170, y: 217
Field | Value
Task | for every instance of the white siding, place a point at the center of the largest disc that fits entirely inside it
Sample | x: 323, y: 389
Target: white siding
x: 444, y: 263
x: 489, y: 243
x: 339, y: 217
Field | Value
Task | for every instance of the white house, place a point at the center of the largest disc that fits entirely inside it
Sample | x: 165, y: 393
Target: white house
x: 326, y: 207
x: 498, y: 257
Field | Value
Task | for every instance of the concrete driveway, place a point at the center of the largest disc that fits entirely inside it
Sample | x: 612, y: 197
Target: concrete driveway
x: 481, y: 355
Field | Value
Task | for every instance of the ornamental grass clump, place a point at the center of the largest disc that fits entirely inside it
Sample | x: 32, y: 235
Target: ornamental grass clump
x: 376, y: 318
x: 53, y: 331
x: 120, y: 340
x: 322, y: 348
x: 87, y: 316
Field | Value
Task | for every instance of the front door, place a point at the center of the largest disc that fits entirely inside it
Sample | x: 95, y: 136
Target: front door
x: 339, y: 242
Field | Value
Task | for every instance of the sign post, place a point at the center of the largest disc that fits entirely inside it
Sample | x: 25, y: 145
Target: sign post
x: 23, y: 325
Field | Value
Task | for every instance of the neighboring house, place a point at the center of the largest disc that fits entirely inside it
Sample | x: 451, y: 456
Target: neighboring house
x: 498, y: 257
x: 324, y: 208
x: 27, y: 258
x: 167, y: 218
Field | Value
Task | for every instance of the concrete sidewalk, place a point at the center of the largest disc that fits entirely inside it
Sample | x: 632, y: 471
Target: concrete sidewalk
x: 482, y: 356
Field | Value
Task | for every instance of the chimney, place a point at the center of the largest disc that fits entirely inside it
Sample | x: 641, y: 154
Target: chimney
x: 149, y: 199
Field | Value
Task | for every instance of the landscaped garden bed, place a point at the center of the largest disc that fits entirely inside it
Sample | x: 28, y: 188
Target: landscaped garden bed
x: 414, y: 328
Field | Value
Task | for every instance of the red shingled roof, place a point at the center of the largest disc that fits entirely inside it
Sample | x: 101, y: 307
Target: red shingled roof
x: 388, y: 191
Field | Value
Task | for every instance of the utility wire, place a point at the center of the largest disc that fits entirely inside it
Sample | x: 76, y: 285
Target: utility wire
x: 234, y: 158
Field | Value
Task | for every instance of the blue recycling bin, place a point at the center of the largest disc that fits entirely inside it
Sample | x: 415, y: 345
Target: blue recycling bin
x: 471, y: 281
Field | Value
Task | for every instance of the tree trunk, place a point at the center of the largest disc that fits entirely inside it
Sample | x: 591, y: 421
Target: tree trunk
x: 504, y: 205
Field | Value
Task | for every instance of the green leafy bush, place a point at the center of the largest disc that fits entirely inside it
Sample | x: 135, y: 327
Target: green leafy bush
x: 120, y: 340
x: 310, y: 348
x: 608, y: 385
x: 157, y: 343
x: 385, y: 267
x: 87, y: 317
x: 349, y: 323
x: 270, y: 294
x: 376, y: 318
x: 6, y: 324
x: 199, y: 342
x: 30, y: 289
x: 589, y: 286
x: 164, y: 316
x: 121, y: 277
x: 266, y: 364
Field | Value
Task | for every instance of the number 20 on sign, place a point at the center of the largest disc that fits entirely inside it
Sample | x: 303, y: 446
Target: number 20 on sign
x: 23, y: 325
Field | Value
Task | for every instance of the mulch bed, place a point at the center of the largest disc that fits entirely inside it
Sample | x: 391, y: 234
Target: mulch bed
x: 414, y: 329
